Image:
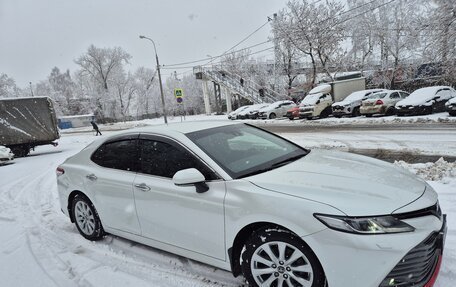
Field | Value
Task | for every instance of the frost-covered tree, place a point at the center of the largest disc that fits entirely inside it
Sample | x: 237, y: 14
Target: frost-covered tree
x: 8, y: 87
x: 101, y: 65
x: 147, y: 96
x: 314, y: 28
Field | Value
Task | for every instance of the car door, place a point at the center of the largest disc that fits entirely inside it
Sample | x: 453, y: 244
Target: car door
x: 393, y: 99
x: 440, y: 99
x: 284, y: 107
x: 110, y: 180
x: 178, y: 215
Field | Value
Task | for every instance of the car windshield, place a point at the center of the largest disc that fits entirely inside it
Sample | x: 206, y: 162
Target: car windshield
x: 355, y: 96
x: 377, y: 96
x: 311, y: 99
x: 243, y: 150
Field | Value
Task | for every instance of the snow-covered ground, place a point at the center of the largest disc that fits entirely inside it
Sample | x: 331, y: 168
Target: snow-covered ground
x: 40, y: 247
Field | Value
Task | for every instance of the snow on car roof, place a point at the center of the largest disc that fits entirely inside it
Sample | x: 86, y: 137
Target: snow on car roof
x: 359, y: 95
x: 421, y: 95
x: 182, y: 128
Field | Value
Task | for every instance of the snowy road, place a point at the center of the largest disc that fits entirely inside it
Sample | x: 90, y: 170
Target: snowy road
x: 41, y: 248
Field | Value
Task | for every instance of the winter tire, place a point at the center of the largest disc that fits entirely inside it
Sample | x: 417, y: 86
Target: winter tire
x: 275, y: 257
x: 272, y: 116
x: 86, y: 218
x: 356, y: 112
x: 368, y: 115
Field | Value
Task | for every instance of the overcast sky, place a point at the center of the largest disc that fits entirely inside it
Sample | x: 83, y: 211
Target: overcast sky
x: 36, y: 36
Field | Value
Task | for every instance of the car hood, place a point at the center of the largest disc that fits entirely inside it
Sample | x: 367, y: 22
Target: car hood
x: 342, y: 103
x: 354, y: 184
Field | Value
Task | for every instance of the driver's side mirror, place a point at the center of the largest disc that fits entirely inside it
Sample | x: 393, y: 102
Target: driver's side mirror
x: 191, y: 176
x: 317, y: 102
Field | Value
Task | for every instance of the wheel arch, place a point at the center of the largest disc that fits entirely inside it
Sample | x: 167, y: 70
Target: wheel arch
x: 70, y: 201
x: 234, y: 252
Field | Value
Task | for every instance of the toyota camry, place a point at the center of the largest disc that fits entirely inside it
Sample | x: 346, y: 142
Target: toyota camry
x: 245, y: 200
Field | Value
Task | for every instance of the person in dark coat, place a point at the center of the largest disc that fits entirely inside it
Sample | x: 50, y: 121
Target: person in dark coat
x: 95, y: 127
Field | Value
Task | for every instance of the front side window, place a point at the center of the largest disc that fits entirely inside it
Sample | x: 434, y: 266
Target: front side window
x: 243, y: 150
x: 163, y: 159
x: 394, y: 96
x: 120, y: 154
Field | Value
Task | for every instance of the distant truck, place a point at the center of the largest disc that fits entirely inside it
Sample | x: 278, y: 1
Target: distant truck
x: 319, y: 100
x: 26, y: 123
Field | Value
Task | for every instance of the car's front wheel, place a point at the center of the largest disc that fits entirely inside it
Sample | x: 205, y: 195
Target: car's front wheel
x: 275, y: 257
x: 86, y: 218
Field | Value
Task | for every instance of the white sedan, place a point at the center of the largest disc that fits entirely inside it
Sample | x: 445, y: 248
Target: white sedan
x: 6, y: 155
x: 242, y: 199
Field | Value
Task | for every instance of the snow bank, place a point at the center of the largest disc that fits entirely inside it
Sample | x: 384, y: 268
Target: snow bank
x: 440, y: 170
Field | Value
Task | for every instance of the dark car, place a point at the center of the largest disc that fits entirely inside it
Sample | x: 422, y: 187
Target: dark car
x: 425, y: 101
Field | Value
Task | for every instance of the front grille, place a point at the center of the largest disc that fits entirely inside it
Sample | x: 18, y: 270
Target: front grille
x: 416, y: 268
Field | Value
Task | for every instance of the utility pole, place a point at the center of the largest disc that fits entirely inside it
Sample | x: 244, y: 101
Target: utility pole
x: 159, y: 78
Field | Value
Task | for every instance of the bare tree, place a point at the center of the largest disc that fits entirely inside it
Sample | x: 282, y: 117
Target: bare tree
x: 100, y: 64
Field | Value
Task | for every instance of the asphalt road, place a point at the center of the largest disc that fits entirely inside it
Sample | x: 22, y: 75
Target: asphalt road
x: 417, y: 142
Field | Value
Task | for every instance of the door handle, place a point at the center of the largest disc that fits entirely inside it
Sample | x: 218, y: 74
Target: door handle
x: 142, y: 186
x: 92, y: 177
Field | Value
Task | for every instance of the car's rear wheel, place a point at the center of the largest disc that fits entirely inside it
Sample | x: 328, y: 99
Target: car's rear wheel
x: 86, y: 218
x: 275, y: 257
x: 272, y: 116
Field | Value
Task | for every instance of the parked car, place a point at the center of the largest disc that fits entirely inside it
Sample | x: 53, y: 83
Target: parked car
x: 234, y: 114
x: 293, y: 113
x: 450, y: 106
x: 243, y: 199
x: 317, y: 103
x: 277, y: 109
x: 425, y: 101
x: 382, y: 103
x: 6, y: 155
x: 252, y: 111
x: 351, y: 104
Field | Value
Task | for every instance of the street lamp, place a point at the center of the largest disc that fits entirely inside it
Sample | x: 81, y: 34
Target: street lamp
x: 159, y: 77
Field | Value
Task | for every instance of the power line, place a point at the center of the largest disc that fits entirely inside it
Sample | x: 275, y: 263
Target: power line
x: 187, y: 67
x: 216, y: 57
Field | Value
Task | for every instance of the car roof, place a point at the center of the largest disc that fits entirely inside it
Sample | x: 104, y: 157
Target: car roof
x: 181, y: 128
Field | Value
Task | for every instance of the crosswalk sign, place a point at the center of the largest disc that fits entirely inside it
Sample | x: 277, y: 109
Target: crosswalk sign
x: 179, y: 94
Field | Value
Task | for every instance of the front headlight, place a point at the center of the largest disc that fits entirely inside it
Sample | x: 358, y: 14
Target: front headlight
x: 365, y: 225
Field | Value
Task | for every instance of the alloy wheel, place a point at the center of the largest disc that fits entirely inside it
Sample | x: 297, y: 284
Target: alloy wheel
x: 84, y: 217
x: 280, y: 264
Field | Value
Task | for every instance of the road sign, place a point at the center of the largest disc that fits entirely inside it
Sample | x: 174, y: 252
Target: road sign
x: 179, y: 94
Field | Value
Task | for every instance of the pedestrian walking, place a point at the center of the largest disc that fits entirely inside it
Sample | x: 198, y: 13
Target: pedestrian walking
x: 95, y: 127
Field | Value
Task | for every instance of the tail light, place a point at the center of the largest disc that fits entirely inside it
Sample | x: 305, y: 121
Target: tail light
x: 379, y: 102
x: 59, y: 171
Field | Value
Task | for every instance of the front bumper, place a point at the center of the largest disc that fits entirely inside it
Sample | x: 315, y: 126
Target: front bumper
x: 411, y: 110
x: 367, y: 260
x: 341, y: 112
x: 421, y: 266
x: 450, y: 108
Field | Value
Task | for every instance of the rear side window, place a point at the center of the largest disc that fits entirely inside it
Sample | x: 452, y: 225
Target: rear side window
x: 121, y: 155
x: 163, y: 159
